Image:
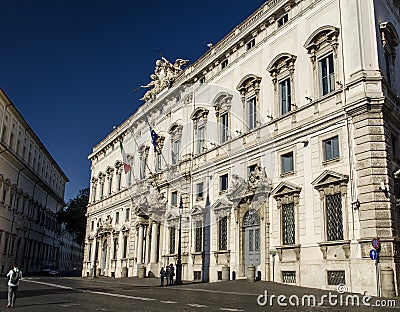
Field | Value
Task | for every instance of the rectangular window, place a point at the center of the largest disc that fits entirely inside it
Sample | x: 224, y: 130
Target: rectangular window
x: 175, y: 152
x: 331, y: 148
x: 289, y: 277
x: 223, y: 233
x: 200, y: 139
x: 117, y: 217
x: 282, y: 20
x: 202, y: 80
x: 334, y: 217
x: 109, y: 185
x: 395, y: 151
x: 388, y: 68
x: 224, y: 63
x: 284, y: 96
x: 4, y: 134
x: 174, y: 199
x: 336, y: 277
x: 143, y: 161
x: 127, y: 214
x: 158, y: 161
x: 115, y: 248
x: 125, y: 247
x: 327, y: 74
x: 287, y: 163
x: 223, y: 182
x: 119, y: 180
x: 288, y: 224
x: 250, y: 44
x: 89, y: 251
x: 172, y: 240
x: 7, y: 237
x: 251, y: 113
x: 199, y: 236
x: 200, y: 190
x: 92, y: 226
x: 223, y: 119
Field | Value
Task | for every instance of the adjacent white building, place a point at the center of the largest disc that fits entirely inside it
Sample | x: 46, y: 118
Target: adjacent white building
x: 279, y: 149
x: 32, y: 187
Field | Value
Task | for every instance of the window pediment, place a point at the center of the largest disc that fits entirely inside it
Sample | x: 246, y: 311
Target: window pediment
x: 285, y: 188
x: 175, y: 128
x: 199, y: 113
x: 281, y: 62
x: 124, y: 228
x: 389, y: 34
x: 196, y: 210
x: 222, y: 206
x: 249, y: 83
x: 329, y: 177
x: 324, y: 34
x: 171, y: 215
x: 223, y: 100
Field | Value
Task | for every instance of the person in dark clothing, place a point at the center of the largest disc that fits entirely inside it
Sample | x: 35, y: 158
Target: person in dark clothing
x: 171, y: 274
x: 162, y: 275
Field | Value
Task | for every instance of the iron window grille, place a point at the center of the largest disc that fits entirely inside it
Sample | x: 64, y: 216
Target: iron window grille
x: 223, y: 233
x: 172, y: 240
x: 336, y: 277
x: 289, y: 277
x: 199, y: 236
x: 288, y: 224
x: 334, y: 217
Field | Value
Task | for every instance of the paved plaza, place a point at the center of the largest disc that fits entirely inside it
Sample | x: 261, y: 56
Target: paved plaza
x: 132, y: 294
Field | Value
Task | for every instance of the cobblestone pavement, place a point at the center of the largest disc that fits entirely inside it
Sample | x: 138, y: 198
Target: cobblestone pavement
x: 132, y: 294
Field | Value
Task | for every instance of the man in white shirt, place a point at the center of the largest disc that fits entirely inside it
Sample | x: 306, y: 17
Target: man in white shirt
x: 14, y: 275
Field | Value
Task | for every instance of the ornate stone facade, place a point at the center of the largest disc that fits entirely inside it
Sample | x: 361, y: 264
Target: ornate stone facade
x: 32, y: 189
x: 280, y: 150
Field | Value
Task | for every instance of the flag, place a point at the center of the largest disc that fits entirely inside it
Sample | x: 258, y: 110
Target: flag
x: 154, y: 138
x: 127, y: 166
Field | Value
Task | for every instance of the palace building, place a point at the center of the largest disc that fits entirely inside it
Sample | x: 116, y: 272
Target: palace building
x: 32, y: 187
x: 276, y: 152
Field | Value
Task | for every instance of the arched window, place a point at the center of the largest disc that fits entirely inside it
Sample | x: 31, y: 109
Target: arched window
x: 175, y: 132
x: 281, y: 70
x: 322, y: 47
x: 199, y: 117
x: 222, y: 105
x: 390, y: 40
x: 249, y: 88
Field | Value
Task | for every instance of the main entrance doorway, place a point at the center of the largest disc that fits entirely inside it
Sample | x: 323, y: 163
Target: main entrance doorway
x: 251, y: 224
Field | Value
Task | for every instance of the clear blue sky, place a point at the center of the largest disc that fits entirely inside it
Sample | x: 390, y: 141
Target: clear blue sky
x: 70, y: 67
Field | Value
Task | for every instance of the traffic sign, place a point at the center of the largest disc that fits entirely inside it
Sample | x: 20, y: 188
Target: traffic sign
x: 373, y: 254
x: 376, y: 243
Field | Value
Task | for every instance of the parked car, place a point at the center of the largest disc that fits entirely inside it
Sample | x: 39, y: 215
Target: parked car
x: 54, y: 271
x: 50, y: 270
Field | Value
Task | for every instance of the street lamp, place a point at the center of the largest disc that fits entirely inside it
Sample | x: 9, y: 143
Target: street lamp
x: 178, y: 280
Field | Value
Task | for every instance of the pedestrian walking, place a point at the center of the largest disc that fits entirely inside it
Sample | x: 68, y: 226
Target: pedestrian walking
x: 167, y: 276
x: 171, y: 274
x: 162, y: 275
x: 14, y: 275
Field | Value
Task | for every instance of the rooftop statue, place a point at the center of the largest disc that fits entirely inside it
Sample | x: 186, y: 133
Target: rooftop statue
x: 165, y: 74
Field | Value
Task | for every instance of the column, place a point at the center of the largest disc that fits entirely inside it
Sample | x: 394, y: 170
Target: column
x: 147, y: 248
x: 153, y: 252
x: 139, y: 250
